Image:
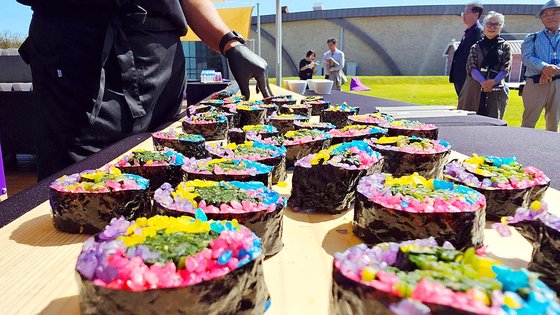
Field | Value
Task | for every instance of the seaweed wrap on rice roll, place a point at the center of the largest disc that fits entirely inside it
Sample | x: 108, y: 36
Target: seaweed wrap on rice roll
x: 228, y: 169
x: 250, y: 203
x: 506, y: 183
x: 326, y: 181
x: 318, y: 104
x: 407, y: 155
x: 157, y: 166
x: 250, y: 114
x: 422, y: 277
x: 394, y: 209
x: 189, y: 145
x: 338, y: 115
x: 167, y: 265
x: 86, y: 202
x: 285, y: 122
x: 211, y: 125
x: 254, y: 151
x: 299, y: 143
x: 298, y: 109
x: 542, y: 229
x: 239, y: 135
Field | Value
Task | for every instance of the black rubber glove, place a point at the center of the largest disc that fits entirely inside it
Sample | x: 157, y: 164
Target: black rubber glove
x: 244, y: 65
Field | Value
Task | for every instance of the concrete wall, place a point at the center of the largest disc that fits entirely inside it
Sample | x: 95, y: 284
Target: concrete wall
x: 415, y: 43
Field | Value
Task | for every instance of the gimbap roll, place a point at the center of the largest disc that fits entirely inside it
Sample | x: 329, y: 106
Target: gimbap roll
x: 157, y: 166
x: 420, y: 277
x: 323, y: 126
x: 542, y: 229
x: 250, y: 114
x: 298, y: 109
x: 318, y: 104
x: 189, y: 145
x: 506, y: 183
x: 212, y: 125
x: 254, y: 151
x: 86, y: 202
x: 166, y: 265
x: 299, y: 143
x: 228, y: 170
x: 283, y: 100
x: 356, y: 132
x: 271, y: 109
x: 394, y: 209
x: 338, y: 115
x: 326, y: 181
x: 411, y: 128
x: 406, y: 155
x: 250, y: 203
x: 373, y: 119
x: 200, y: 108
x: 285, y: 122
x: 239, y: 135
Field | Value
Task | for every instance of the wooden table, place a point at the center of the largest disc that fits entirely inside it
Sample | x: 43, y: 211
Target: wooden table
x: 38, y: 261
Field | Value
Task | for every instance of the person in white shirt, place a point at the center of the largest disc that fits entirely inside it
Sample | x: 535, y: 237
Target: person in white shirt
x: 333, y: 63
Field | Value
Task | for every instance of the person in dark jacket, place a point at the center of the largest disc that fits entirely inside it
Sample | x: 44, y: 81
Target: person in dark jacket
x: 106, y: 69
x: 307, y: 66
x: 473, y: 33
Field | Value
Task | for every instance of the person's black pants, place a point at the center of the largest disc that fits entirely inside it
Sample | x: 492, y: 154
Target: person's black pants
x: 65, y: 58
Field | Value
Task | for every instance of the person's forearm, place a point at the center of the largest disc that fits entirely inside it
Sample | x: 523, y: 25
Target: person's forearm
x: 501, y: 75
x: 205, y: 21
x: 477, y: 75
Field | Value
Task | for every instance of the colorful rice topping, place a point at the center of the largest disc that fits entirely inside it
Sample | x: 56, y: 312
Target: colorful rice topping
x: 490, y: 172
x: 318, y: 125
x: 99, y: 181
x: 537, y: 211
x: 151, y: 158
x: 225, y: 166
x: 349, y: 155
x: 165, y: 252
x: 206, y: 118
x: 294, y: 137
x: 259, y: 129
x: 250, y: 150
x: 411, y: 144
x: 288, y: 116
x: 417, y: 194
x: 219, y: 197
x: 408, y: 125
x: 420, y: 271
x: 314, y: 98
x: 357, y: 130
x: 373, y: 118
x: 341, y: 108
x: 173, y: 134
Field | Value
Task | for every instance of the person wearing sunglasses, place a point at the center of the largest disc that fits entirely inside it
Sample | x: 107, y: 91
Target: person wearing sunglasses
x: 489, y: 63
x: 473, y: 33
x: 541, y: 57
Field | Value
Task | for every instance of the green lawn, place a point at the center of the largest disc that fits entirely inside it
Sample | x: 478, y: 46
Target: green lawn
x: 430, y: 90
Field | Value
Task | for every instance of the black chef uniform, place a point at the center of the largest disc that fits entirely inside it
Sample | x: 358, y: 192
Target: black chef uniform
x: 102, y: 70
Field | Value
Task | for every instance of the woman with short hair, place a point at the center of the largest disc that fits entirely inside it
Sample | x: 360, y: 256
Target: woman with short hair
x: 489, y: 63
x: 307, y: 66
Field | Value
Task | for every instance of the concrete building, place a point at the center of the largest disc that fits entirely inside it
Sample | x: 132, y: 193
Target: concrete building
x: 406, y: 40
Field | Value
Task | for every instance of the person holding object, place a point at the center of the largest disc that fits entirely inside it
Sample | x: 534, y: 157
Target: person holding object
x: 106, y: 69
x: 333, y: 61
x: 473, y: 33
x: 541, y: 56
x: 489, y: 63
x: 307, y: 66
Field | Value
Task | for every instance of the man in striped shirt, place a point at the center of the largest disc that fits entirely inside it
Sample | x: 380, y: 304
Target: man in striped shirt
x: 541, y: 56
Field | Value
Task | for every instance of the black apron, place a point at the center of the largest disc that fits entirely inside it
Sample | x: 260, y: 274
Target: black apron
x: 102, y: 72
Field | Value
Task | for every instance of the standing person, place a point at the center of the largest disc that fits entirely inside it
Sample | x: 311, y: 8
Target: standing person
x: 333, y: 61
x: 541, y: 56
x: 307, y: 66
x: 473, y: 33
x: 488, y: 64
x: 103, y: 70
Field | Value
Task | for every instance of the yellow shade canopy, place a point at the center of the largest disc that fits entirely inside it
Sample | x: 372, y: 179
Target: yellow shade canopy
x: 238, y: 19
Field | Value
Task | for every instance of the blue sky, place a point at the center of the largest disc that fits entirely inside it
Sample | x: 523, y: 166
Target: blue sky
x: 15, y: 17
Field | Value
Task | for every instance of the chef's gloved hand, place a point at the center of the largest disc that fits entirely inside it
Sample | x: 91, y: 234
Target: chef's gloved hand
x: 244, y: 65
